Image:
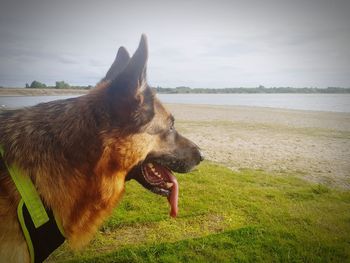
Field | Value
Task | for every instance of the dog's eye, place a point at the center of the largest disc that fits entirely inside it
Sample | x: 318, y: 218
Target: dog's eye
x: 172, y: 122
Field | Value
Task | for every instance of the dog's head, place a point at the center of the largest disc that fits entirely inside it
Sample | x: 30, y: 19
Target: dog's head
x: 156, y: 147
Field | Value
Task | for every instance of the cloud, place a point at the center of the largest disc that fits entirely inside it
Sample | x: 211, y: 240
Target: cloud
x: 194, y: 43
x: 67, y: 59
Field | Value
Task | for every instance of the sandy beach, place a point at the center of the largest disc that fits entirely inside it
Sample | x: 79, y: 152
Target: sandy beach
x: 312, y: 145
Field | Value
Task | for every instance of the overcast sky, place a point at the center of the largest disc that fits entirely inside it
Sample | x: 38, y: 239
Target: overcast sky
x: 204, y: 44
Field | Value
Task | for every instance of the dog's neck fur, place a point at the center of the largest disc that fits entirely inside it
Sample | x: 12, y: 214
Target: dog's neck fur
x: 100, y: 182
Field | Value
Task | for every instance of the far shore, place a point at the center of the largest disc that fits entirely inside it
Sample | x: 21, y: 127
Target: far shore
x: 40, y: 92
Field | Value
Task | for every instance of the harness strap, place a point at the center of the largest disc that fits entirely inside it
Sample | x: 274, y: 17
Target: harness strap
x: 41, y: 241
x: 42, y: 231
x: 29, y: 194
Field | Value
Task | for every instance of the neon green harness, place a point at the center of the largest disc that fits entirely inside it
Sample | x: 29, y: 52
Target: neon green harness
x: 29, y: 195
x: 41, y: 231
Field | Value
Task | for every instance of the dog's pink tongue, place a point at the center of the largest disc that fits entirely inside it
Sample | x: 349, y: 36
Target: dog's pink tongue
x: 174, y: 196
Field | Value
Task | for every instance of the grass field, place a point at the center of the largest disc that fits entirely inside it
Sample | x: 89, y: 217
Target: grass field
x: 225, y: 216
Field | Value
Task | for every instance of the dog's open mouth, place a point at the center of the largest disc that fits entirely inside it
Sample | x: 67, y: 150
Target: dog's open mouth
x: 163, y: 182
x: 159, y: 180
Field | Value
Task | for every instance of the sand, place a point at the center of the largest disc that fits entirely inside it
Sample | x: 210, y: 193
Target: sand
x: 312, y: 145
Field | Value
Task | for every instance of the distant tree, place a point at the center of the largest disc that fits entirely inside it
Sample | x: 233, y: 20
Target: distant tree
x: 183, y: 89
x: 37, y: 85
x: 27, y: 86
x: 62, y: 85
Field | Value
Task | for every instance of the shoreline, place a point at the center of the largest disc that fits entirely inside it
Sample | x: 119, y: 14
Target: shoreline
x: 17, y: 92
x: 23, y: 92
x: 242, y: 113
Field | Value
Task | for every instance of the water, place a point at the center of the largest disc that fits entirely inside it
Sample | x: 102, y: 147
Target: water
x: 312, y: 102
x: 24, y: 101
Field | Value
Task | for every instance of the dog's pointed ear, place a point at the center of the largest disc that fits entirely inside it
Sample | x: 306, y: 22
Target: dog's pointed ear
x: 138, y: 63
x: 119, y: 64
x: 132, y: 79
x: 130, y: 97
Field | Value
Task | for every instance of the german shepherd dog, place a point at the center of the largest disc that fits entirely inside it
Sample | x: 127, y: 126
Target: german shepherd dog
x: 79, y: 153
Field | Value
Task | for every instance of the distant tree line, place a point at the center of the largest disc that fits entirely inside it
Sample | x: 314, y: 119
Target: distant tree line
x: 58, y: 85
x: 260, y: 89
x: 183, y: 90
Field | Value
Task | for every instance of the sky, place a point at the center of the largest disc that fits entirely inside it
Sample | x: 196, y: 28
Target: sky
x: 199, y: 44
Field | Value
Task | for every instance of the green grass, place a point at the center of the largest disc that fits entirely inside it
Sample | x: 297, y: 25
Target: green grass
x: 225, y: 216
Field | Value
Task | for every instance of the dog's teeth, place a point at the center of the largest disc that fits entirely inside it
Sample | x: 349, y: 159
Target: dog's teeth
x: 150, y: 165
x: 169, y: 185
x: 157, y: 174
x: 153, y: 170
